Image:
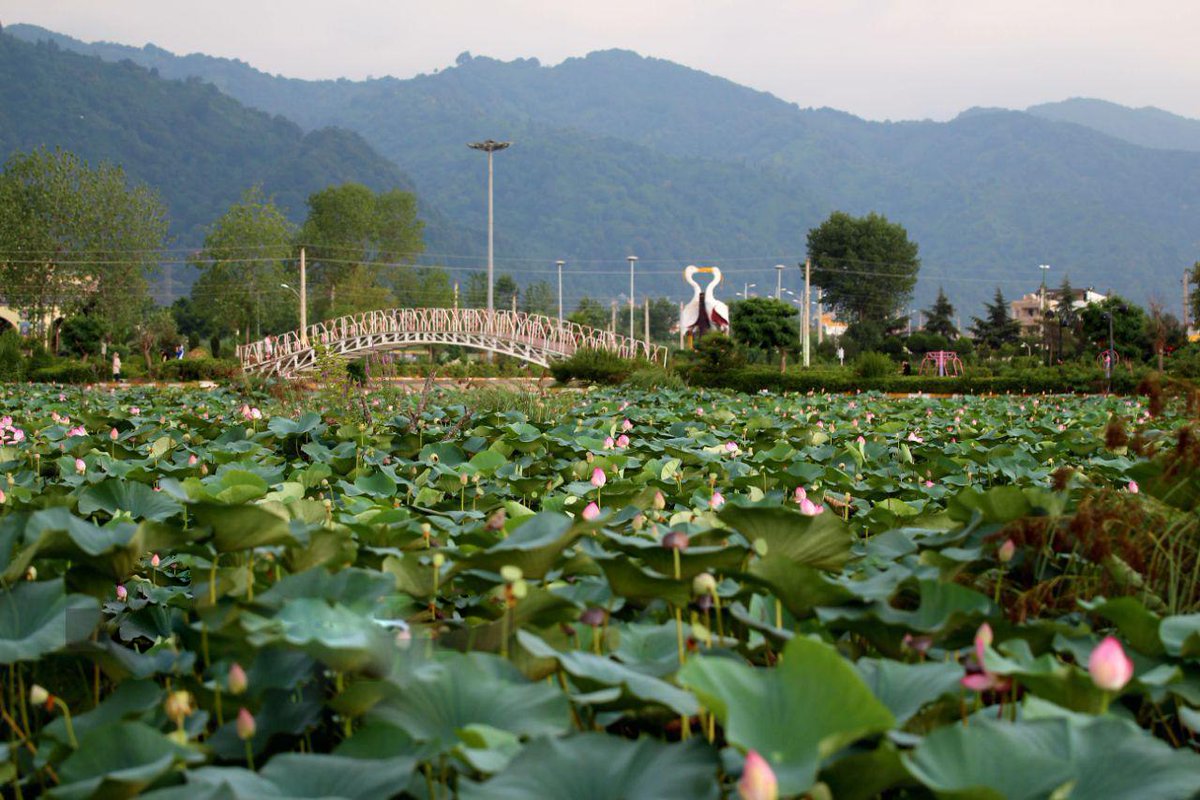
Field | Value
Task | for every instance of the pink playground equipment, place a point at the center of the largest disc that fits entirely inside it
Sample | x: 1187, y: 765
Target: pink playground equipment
x: 942, y: 363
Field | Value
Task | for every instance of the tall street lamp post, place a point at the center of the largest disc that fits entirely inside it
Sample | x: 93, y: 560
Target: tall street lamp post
x: 559, y: 264
x: 490, y: 146
x: 632, y: 260
x: 779, y: 268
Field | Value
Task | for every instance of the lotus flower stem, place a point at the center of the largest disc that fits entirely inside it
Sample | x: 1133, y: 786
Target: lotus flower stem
x: 429, y: 787
x: 21, y: 695
x: 249, y: 755
x: 717, y: 607
x: 217, y: 708
x: 67, y: 721
x: 778, y: 614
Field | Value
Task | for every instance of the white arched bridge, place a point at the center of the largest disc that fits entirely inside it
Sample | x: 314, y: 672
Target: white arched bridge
x: 531, y: 337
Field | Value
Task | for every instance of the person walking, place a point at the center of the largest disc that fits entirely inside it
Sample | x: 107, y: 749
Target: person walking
x: 116, y: 367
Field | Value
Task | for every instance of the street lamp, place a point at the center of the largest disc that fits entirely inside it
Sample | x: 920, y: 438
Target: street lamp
x: 632, y: 260
x: 559, y: 264
x: 1044, y: 268
x: 746, y: 287
x: 779, y: 268
x: 490, y: 146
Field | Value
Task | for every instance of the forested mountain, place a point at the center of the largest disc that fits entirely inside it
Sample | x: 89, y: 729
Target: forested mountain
x: 615, y: 153
x: 1149, y: 126
x: 197, y: 146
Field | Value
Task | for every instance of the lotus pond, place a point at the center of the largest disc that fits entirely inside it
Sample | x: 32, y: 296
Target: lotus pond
x: 210, y: 595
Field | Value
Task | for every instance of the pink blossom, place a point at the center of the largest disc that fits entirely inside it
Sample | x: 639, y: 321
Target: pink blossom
x: 716, y: 501
x: 799, y: 495
x: 622, y: 441
x: 928, y: 484
x: 731, y: 447
x: 155, y: 561
x: 134, y: 411
x: 861, y: 440
x: 113, y: 434
x: 192, y: 460
x: 246, y: 726
x: 608, y: 443
x: 80, y: 466
x: 591, y: 511
x: 810, y: 509
x: 3, y: 497
x: 758, y: 780
x: 122, y: 593
x: 1006, y: 551
x: 598, y: 478
x: 1109, y: 667
x: 626, y: 425
x: 1133, y: 487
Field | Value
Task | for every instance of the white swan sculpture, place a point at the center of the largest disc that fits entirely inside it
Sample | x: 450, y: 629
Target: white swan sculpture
x: 704, y: 312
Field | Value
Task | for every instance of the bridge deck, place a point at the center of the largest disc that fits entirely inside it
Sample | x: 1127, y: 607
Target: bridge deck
x: 531, y: 337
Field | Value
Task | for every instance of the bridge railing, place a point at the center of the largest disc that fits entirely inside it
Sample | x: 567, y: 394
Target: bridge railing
x: 535, y: 330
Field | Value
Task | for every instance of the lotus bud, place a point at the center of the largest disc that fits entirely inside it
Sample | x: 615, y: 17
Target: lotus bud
x: 983, y: 640
x: 38, y: 695
x: 758, y: 780
x: 800, y: 494
x: 113, y: 434
x: 3, y: 497
x: 204, y: 469
x: 122, y: 593
x: 1006, y: 551
x: 438, y: 560
x: 608, y: 443
x: 716, y: 501
x: 1109, y: 667
x: 192, y: 460
x: 591, y: 511
x: 80, y: 466
x: 178, y: 706
x: 622, y: 441
x: 237, y: 681
x: 31, y: 573
x: 462, y: 479
x: 598, y: 478
x: 496, y: 521
x: 511, y: 574
x: 155, y: 561
x: 675, y: 540
x: 731, y: 447
x: 704, y: 584
x: 660, y: 502
x: 245, y: 725
x: 1133, y: 487
x: 639, y: 522
x: 593, y: 616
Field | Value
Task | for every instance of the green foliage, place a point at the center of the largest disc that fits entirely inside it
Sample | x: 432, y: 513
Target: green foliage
x: 12, y: 357
x: 925, y: 341
x: 654, y: 378
x: 939, y: 320
x: 90, y: 237
x: 540, y: 298
x: 866, y: 265
x: 764, y: 323
x: 713, y: 355
x: 1129, y: 327
x: 874, y: 365
x: 81, y: 335
x: 996, y: 328
x: 76, y: 372
x: 593, y: 366
x: 199, y: 369
x: 590, y: 313
x: 232, y: 294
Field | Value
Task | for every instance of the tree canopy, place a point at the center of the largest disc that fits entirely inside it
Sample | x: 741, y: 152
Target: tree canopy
x: 996, y: 327
x: 764, y: 323
x: 939, y: 319
x: 866, y: 265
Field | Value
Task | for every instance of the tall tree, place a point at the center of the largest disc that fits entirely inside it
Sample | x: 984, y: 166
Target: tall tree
x: 590, y: 312
x: 664, y: 314
x: 539, y: 298
x: 866, y: 265
x: 349, y: 226
x: 940, y: 318
x: 1194, y: 294
x: 996, y: 328
x: 764, y: 323
x: 248, y: 255
x: 1129, y: 326
x: 76, y: 239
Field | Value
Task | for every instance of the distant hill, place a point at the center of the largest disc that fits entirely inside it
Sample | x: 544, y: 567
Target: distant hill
x: 616, y: 153
x: 1149, y: 126
x: 199, y: 147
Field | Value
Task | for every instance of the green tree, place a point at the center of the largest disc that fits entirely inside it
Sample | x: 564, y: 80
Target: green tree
x: 1194, y: 294
x: 591, y: 313
x: 423, y: 287
x: 475, y: 293
x: 358, y: 290
x: 155, y: 332
x: 764, y: 323
x: 940, y: 318
x: 248, y: 255
x: 1129, y: 326
x: 664, y: 314
x: 996, y: 328
x: 85, y: 238
x: 506, y: 289
x: 866, y: 265
x: 540, y: 298
x: 348, y: 227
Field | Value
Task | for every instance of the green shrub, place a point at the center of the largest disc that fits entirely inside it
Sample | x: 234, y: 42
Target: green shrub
x: 67, y: 372
x: 12, y: 360
x: 874, y: 365
x: 594, y: 366
x: 199, y: 369
x: 654, y: 378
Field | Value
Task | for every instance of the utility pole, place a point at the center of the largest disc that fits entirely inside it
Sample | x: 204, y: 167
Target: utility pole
x: 820, y: 315
x: 303, y: 300
x: 807, y: 308
x: 559, y: 264
x: 632, y: 260
x: 612, y: 326
x: 646, y: 322
x: 1186, y: 303
x: 681, y: 343
x: 779, y: 268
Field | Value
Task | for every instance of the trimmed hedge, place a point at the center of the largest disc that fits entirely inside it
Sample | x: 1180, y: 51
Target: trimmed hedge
x: 1051, y: 381
x: 67, y: 372
x: 199, y: 369
x: 595, y: 366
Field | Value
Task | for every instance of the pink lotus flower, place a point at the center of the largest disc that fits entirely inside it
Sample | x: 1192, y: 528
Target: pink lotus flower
x: 3, y: 497
x: 928, y: 484
x: 699, y: 411
x: 716, y: 501
x: 134, y: 411
x: 245, y: 412
x: 113, y: 434
x: 80, y: 466
x: 731, y: 447
x: 245, y: 725
x: 799, y: 495
x: 861, y: 440
x: 237, y: 681
x: 660, y: 502
x: 254, y: 414
x: 1006, y: 551
x: 626, y: 425
x: 622, y: 441
x: 192, y: 460
x: 810, y: 509
x: 1133, y: 487
x: 155, y: 561
x: 1109, y: 667
x: 980, y: 680
x: 758, y: 780
x: 591, y: 511
x: 122, y: 593
x: 608, y: 443
x: 598, y: 478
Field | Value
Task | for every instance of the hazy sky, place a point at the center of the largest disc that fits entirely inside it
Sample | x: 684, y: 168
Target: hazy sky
x: 881, y: 59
